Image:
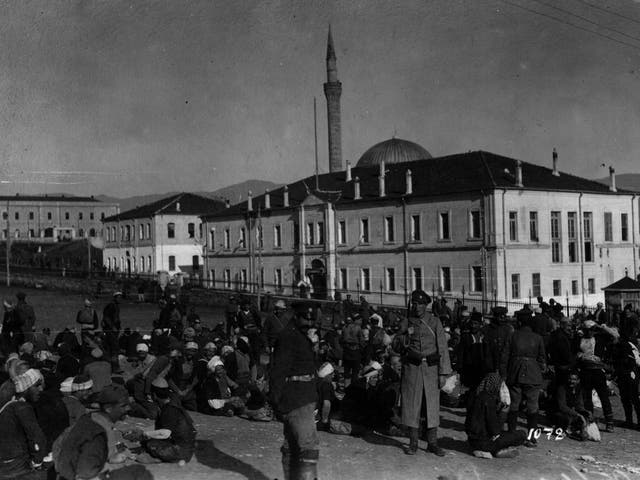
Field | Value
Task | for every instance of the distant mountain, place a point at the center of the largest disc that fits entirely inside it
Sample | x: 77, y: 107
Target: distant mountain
x: 235, y: 193
x: 626, y: 181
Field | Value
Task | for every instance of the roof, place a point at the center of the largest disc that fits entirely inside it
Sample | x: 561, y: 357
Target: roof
x: 453, y: 174
x: 394, y: 150
x: 624, y: 284
x: 190, y: 204
x: 47, y: 198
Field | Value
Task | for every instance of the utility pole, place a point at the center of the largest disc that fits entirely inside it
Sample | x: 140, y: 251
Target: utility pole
x: 8, y: 249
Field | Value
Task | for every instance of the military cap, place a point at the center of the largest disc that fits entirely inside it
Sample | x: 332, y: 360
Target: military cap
x: 420, y: 296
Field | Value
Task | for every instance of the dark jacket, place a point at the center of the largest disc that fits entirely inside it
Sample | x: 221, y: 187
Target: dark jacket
x: 560, y: 349
x: 523, y: 359
x: 178, y: 420
x: 21, y: 441
x: 111, y: 317
x: 82, y: 451
x: 25, y: 316
x: 483, y: 421
x: 293, y: 356
x: 568, y: 401
x: 495, y: 338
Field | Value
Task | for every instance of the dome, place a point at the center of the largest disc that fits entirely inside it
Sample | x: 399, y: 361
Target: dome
x: 394, y: 150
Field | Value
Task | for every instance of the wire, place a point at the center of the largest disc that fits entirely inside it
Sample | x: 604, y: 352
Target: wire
x: 568, y: 12
x: 595, y: 32
x: 609, y: 11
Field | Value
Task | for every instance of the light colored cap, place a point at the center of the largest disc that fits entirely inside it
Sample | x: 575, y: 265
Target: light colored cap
x: 589, y: 324
x: 27, y: 380
x: 87, y: 302
x: 142, y: 347
x: 210, y: 346
x: 214, y: 362
x: 116, y: 294
x: 325, y: 370
x: 191, y: 346
x: 65, y: 385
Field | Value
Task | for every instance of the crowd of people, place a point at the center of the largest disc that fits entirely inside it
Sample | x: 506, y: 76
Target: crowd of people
x: 342, y: 367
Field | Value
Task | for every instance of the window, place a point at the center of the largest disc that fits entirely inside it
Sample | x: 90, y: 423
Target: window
x: 389, y: 234
x: 172, y: 262
x: 81, y: 233
x: 226, y: 278
x: 49, y: 215
x: 92, y: 232
x: 191, y: 230
x: 535, y: 284
x: 142, y: 269
x: 148, y: 230
x: 127, y: 233
x: 342, y: 232
x: 260, y: 236
x: 587, y: 220
x: 149, y: 263
x: 624, y: 227
x: 5, y: 215
x: 415, y: 228
x: 212, y: 278
x: 608, y: 227
x: 310, y: 234
x: 79, y: 215
x: 574, y: 287
x: 591, y: 285
x: 556, y: 239
x: 474, y: 224
x: 476, y: 285
x: 344, y: 282
x: 364, y: 230
x: 443, y: 230
x: 243, y: 278
x: 195, y: 262
x: 121, y: 233
x: 31, y: 216
x: 533, y: 226
x: 102, y: 215
x: 277, y: 236
x: 200, y: 226
x: 513, y: 227
x: 227, y: 238
x: 141, y: 233
x: 242, y: 241
x: 277, y: 278
x: 66, y: 215
x: 113, y: 234
x: 445, y: 279
x: 515, y: 285
x: 32, y: 233
x: 91, y: 217
x: 261, y: 277
x: 572, y: 236
x: 296, y: 235
x: 365, y: 279
x: 390, y: 279
x: 557, y: 288
x: 17, y: 216
x: 416, y: 278
x: 320, y: 233
x: 171, y: 230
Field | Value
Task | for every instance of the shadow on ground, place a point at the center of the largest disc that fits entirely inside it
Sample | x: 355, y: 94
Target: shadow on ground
x: 377, y: 439
x: 207, y: 454
x: 461, y: 446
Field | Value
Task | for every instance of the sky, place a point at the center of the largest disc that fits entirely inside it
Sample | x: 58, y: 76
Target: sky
x: 127, y: 98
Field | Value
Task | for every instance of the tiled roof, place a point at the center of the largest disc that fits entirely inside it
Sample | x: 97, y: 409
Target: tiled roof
x: 190, y: 204
x: 626, y: 283
x: 47, y: 198
x: 453, y: 174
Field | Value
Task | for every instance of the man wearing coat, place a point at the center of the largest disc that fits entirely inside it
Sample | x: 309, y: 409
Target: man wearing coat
x: 523, y: 361
x: 426, y: 366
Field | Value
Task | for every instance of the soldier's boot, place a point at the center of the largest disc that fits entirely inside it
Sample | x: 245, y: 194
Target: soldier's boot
x: 432, y: 439
x: 512, y: 421
x: 413, y: 441
x: 532, y: 425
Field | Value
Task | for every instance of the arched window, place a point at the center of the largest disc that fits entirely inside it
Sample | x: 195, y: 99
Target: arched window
x: 127, y: 233
x: 142, y: 269
x: 92, y: 232
x: 149, y: 263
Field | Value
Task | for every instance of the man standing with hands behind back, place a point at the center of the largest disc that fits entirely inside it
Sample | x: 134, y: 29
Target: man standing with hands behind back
x: 425, y: 369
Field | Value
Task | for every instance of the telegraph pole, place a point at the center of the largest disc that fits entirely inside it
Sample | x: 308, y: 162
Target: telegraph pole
x: 8, y: 247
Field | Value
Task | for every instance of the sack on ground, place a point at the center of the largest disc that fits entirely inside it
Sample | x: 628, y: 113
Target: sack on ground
x: 592, y: 432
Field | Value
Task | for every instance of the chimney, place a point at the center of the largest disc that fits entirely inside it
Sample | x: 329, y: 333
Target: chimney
x: 381, y: 180
x: 227, y: 203
x: 249, y: 201
x: 286, y: 195
x: 518, y: 173
x: 348, y: 179
x: 555, y: 164
x: 612, y: 179
x: 267, y: 199
x: 409, y: 183
x: 177, y: 206
x: 356, y: 188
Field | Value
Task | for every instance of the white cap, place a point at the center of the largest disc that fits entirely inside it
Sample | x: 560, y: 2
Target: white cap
x: 65, y: 386
x: 142, y: 347
x: 214, y: 362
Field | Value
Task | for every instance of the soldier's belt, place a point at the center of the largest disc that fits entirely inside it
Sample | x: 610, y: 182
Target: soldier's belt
x: 300, y: 378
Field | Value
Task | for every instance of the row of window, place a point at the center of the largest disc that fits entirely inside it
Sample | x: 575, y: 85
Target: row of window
x: 127, y: 232
x: 516, y: 291
x: 67, y: 215
x: 31, y: 233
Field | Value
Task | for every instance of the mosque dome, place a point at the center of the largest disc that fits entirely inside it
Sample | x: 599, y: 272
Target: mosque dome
x: 394, y: 150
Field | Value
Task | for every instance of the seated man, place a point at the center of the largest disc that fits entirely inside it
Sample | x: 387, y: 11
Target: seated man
x: 74, y: 394
x: 181, y: 445
x: 567, y: 410
x: 219, y: 392
x: 483, y: 424
x: 327, y: 401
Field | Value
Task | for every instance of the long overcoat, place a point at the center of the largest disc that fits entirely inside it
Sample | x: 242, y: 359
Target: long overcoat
x: 422, y: 380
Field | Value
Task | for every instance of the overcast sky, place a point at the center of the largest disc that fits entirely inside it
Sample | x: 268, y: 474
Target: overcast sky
x: 135, y: 97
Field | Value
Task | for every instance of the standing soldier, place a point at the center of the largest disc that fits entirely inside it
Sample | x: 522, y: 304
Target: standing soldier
x: 294, y: 395
x: 87, y: 317
x: 25, y: 316
x: 111, y: 327
x: 426, y: 366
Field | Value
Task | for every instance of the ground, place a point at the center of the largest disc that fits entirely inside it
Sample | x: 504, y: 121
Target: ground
x: 234, y: 448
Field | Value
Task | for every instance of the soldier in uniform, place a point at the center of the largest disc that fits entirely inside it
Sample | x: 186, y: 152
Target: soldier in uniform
x: 426, y: 366
x: 294, y: 395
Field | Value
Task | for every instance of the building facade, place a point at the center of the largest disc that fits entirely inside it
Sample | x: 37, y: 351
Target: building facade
x: 42, y: 218
x: 165, y: 235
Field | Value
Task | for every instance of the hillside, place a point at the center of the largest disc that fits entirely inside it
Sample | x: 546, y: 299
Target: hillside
x: 626, y: 181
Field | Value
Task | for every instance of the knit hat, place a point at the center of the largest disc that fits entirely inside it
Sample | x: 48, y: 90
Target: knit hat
x: 27, y: 380
x: 81, y: 382
x: 65, y: 386
x: 142, y: 347
x: 214, y: 362
x: 325, y: 370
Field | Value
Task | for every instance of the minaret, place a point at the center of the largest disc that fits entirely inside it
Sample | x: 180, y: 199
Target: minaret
x: 333, y: 90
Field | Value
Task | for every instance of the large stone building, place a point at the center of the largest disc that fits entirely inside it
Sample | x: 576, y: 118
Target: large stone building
x: 165, y: 235
x: 475, y: 224
x: 51, y: 218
